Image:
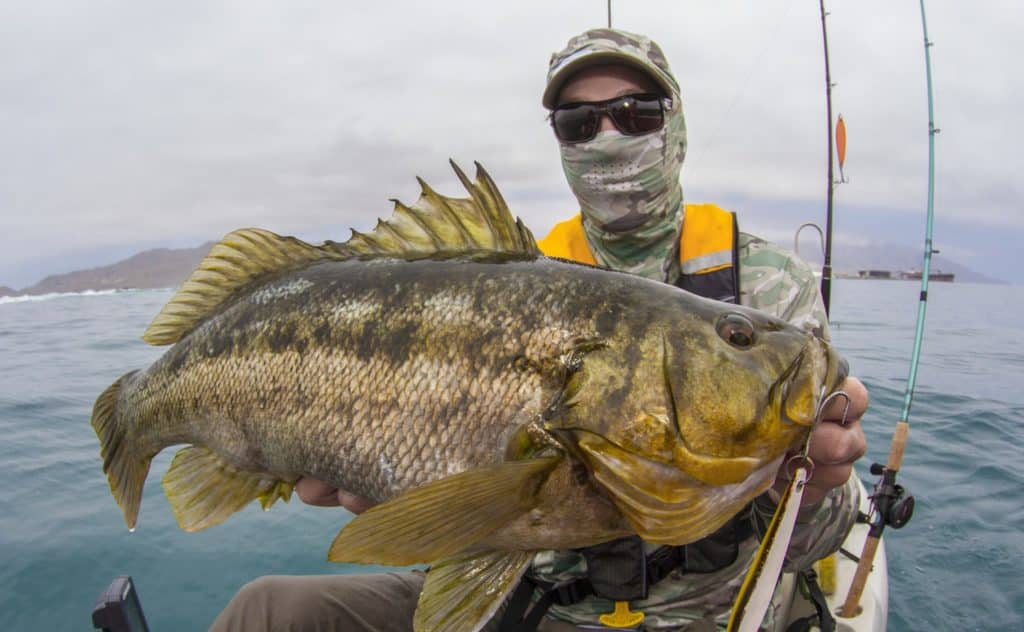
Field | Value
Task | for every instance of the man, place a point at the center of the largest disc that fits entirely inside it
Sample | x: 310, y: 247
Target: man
x: 617, y: 113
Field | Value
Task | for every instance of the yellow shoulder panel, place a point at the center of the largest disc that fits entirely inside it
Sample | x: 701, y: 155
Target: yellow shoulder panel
x: 568, y: 241
x: 706, y: 243
x: 707, y: 240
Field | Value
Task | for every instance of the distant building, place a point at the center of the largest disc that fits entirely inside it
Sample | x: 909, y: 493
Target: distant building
x: 905, y: 275
x: 874, y: 274
x: 938, y: 275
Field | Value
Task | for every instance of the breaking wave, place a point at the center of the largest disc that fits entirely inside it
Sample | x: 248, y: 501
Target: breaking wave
x: 33, y: 298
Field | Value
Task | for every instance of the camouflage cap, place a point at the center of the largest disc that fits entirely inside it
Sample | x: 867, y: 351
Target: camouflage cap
x: 608, y: 46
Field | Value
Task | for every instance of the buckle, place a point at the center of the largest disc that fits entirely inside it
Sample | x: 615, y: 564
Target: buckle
x: 621, y: 617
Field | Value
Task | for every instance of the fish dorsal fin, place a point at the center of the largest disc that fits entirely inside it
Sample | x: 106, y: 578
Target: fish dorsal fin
x: 243, y: 256
x: 437, y: 225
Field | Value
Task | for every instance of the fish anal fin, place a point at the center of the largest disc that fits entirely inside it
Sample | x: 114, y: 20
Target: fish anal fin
x: 463, y: 592
x: 243, y: 256
x: 204, y: 489
x: 444, y: 517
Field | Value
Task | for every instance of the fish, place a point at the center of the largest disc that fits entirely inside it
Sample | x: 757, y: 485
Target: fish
x: 494, y: 402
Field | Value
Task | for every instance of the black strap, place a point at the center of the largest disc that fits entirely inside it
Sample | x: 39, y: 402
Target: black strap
x: 520, y: 617
x: 619, y: 557
x: 824, y: 619
x: 516, y: 618
x: 618, y: 570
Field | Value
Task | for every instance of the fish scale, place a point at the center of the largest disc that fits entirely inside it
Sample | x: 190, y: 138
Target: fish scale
x: 264, y: 384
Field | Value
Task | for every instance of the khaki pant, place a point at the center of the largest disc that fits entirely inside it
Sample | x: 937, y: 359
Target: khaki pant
x: 381, y: 602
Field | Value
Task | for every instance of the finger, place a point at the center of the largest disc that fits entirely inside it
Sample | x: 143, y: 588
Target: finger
x: 823, y: 479
x: 833, y: 444
x: 316, y: 492
x: 851, y: 407
x: 828, y: 477
x: 354, y: 503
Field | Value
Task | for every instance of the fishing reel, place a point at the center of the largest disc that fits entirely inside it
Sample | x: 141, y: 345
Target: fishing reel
x: 893, y: 504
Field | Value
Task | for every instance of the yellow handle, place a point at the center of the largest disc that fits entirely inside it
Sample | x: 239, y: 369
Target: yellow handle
x: 622, y: 617
x: 826, y: 568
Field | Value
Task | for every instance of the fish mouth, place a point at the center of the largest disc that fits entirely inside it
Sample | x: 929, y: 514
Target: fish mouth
x: 663, y: 504
x: 815, y: 373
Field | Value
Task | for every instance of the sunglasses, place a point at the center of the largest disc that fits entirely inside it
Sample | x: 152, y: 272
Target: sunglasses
x: 632, y: 114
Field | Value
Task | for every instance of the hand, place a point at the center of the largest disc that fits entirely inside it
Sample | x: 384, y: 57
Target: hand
x: 834, y: 447
x: 316, y: 492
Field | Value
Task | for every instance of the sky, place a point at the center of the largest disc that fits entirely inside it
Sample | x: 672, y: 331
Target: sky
x: 129, y: 124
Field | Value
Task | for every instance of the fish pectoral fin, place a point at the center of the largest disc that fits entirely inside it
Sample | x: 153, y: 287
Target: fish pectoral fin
x: 444, y: 517
x: 463, y: 592
x: 204, y: 489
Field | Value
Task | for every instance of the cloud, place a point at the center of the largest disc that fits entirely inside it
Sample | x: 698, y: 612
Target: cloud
x: 140, y: 122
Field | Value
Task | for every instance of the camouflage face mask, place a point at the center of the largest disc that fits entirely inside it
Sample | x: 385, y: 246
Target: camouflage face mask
x: 629, y: 193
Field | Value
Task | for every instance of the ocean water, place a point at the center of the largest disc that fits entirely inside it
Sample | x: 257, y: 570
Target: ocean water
x: 956, y: 566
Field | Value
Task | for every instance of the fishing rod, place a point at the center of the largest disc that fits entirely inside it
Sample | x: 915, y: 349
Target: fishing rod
x: 891, y: 507
x: 826, y: 269
x: 839, y: 148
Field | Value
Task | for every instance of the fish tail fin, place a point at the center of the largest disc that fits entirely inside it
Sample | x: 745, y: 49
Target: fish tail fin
x: 125, y: 468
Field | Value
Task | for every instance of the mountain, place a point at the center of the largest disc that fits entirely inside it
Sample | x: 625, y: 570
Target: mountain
x: 163, y: 267
x: 157, y: 268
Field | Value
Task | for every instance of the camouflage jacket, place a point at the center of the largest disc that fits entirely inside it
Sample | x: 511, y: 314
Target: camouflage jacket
x: 779, y: 283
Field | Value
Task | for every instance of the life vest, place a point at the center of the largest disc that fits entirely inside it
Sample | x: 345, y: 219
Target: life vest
x: 707, y: 250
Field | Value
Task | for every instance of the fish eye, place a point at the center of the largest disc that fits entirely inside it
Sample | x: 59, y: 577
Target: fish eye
x: 737, y: 330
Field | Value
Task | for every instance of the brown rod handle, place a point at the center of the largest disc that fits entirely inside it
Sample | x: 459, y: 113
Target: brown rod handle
x: 860, y: 579
x: 867, y: 557
x: 899, y: 443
